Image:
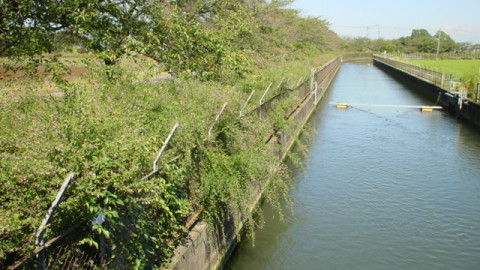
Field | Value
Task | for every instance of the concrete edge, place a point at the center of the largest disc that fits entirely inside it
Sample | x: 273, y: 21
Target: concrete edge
x: 208, y: 248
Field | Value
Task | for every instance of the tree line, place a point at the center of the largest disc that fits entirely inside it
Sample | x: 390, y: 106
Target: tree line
x: 203, y: 37
x: 420, y: 41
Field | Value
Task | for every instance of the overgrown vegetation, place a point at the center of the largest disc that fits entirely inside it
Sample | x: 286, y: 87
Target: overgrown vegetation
x: 422, y: 44
x: 110, y: 124
x: 420, y: 41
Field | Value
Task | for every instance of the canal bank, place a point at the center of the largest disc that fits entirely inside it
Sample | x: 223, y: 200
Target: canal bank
x: 209, y: 248
x: 430, y: 85
x: 381, y: 188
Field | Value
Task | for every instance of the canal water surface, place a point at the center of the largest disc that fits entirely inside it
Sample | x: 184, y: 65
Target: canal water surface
x: 379, y: 189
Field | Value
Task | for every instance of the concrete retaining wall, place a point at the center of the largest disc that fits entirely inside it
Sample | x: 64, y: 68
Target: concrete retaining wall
x: 468, y: 110
x: 209, y: 249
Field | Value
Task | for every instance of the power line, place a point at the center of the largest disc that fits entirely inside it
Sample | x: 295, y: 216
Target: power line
x: 406, y: 28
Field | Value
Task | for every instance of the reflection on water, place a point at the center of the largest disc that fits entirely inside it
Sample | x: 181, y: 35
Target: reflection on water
x: 380, y: 189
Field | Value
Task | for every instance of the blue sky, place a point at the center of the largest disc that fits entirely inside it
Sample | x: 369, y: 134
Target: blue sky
x: 393, y: 19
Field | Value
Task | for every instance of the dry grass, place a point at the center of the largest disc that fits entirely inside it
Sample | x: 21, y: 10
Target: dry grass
x: 80, y: 67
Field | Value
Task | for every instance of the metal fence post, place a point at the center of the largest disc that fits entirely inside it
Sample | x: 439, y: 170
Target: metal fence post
x: 279, y: 84
x: 39, y: 241
x: 312, y: 78
x: 246, y: 102
x: 260, y: 107
x: 265, y: 93
x: 155, y: 162
x: 216, y: 119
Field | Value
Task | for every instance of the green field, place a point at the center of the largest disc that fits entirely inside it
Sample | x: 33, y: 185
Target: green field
x: 465, y: 71
x: 457, y: 67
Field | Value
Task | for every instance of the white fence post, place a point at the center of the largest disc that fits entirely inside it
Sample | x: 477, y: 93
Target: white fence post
x: 312, y: 78
x: 39, y: 241
x: 246, y: 102
x: 155, y: 162
x: 261, y: 100
x: 216, y: 119
x: 280, y: 83
x: 265, y: 93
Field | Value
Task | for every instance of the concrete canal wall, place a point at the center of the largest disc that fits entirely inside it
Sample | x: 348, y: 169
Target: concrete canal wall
x: 429, y: 85
x: 209, y: 248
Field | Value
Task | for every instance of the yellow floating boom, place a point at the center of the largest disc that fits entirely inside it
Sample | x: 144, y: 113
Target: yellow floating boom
x: 423, y: 108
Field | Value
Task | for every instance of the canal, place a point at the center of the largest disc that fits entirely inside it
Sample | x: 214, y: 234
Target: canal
x: 379, y: 188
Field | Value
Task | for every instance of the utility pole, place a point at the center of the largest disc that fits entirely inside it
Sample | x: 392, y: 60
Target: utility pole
x: 438, y: 43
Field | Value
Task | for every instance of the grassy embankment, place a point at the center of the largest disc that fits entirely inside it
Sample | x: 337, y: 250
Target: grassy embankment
x: 466, y: 71
x: 109, y: 132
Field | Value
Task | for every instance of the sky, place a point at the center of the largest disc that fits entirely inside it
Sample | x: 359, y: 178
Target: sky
x: 390, y: 19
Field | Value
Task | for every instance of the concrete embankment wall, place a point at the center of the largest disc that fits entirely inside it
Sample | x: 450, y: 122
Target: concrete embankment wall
x: 465, y: 109
x: 210, y: 248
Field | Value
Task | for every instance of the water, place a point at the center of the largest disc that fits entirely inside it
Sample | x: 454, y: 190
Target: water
x: 380, y: 188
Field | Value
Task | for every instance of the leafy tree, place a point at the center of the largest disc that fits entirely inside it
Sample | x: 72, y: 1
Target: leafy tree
x: 360, y: 44
x: 447, y: 44
x: 202, y: 38
x: 422, y: 41
x: 281, y: 31
x: 198, y: 36
x: 420, y: 34
x: 109, y: 28
x: 381, y: 45
x: 24, y: 28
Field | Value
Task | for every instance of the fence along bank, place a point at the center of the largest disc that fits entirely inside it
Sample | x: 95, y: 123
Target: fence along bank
x: 55, y: 253
x: 434, y: 85
x: 208, y: 249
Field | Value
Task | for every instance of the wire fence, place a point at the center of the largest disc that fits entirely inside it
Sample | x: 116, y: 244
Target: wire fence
x: 64, y: 252
x: 67, y: 251
x: 442, y: 79
x: 460, y: 55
